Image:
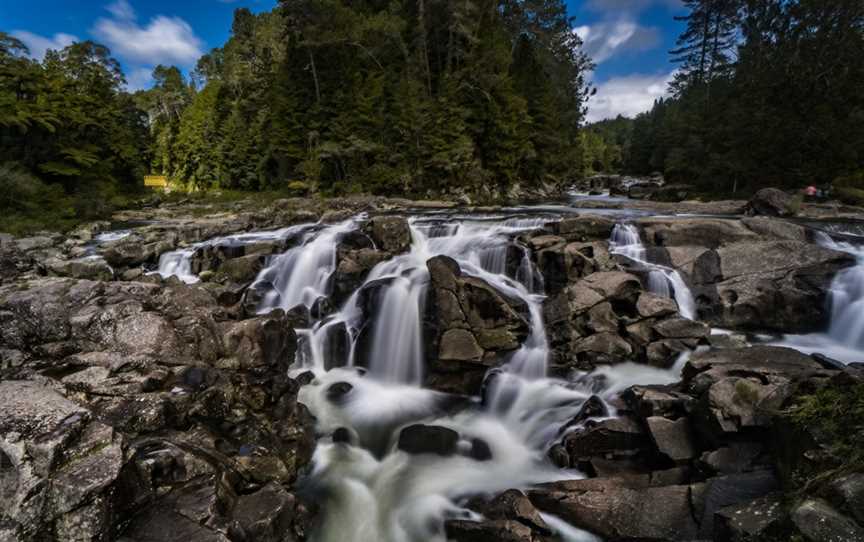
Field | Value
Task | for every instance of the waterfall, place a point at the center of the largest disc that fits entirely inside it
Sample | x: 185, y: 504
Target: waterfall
x: 369, y: 488
x: 178, y: 263
x: 844, y: 338
x: 301, y: 275
x: 846, y: 297
x: 662, y: 280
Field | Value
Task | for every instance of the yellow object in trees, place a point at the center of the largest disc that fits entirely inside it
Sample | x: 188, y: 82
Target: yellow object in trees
x: 155, y: 180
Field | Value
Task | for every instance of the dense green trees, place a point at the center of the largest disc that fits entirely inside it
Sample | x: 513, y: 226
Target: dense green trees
x: 67, y: 122
x: 413, y: 97
x: 768, y: 94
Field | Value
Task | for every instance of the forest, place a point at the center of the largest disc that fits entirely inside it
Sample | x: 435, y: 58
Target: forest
x: 433, y: 98
x: 765, y: 95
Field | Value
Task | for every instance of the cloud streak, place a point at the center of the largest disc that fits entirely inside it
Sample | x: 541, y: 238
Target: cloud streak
x: 163, y: 40
x: 604, y: 40
x: 39, y: 45
x: 627, y: 95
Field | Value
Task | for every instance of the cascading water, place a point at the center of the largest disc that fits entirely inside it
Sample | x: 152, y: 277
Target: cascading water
x: 846, y: 299
x: 662, y: 280
x: 844, y: 339
x: 301, y: 275
x: 369, y: 488
x: 178, y: 263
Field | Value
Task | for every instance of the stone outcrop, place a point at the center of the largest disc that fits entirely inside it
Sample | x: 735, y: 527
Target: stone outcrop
x: 115, y: 393
x: 469, y: 326
x: 771, y: 202
x: 607, y: 317
x: 757, y: 273
x: 389, y: 233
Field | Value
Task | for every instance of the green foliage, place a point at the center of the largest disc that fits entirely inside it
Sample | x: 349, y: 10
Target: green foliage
x: 413, y: 98
x: 757, y: 101
x: 835, y: 415
x: 76, y: 139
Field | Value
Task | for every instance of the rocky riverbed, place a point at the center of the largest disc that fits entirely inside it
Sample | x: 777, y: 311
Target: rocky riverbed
x: 373, y: 369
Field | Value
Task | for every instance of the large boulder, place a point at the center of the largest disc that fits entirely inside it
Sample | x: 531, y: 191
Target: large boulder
x: 615, y: 510
x: 469, y: 326
x: 818, y: 522
x: 390, y: 233
x: 737, y: 390
x: 771, y: 202
x: 758, y: 286
x: 84, y: 268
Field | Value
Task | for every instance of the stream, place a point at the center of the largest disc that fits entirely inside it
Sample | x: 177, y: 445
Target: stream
x: 365, y: 484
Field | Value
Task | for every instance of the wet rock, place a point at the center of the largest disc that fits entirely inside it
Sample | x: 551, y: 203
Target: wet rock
x: 461, y: 345
x: 735, y: 458
x: 342, y: 435
x: 468, y: 326
x: 847, y: 493
x: 757, y: 285
x: 513, y: 504
x: 818, y: 522
x: 242, y: 269
x: 502, y: 530
x: 84, y: 268
x: 673, y: 439
x: 337, y: 345
x: 648, y: 401
x: 255, y: 294
x: 262, y: 341
x: 759, y: 519
x: 594, y: 407
x: 583, y: 228
x: 563, y: 263
x: 653, y: 306
x: 608, y: 508
x: 480, y: 450
x: 775, y: 228
x: 428, y: 439
x: 265, y: 515
x: 390, y: 233
x: 704, y: 233
x: 723, y: 491
x: 352, y: 269
x: 771, y: 202
x: 337, y: 391
x: 613, y: 436
x: 57, y: 467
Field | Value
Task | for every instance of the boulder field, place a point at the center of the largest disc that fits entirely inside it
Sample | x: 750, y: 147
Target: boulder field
x: 139, y: 408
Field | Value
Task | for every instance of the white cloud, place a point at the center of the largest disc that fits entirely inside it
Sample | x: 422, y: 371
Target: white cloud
x: 164, y: 40
x: 139, y: 79
x: 38, y: 45
x: 121, y: 9
x: 627, y: 95
x: 606, y: 39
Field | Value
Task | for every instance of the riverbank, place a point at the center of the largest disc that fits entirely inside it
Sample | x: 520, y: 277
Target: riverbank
x: 419, y: 371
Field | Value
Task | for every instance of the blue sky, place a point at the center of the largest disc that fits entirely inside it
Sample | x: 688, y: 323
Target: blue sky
x: 628, y: 39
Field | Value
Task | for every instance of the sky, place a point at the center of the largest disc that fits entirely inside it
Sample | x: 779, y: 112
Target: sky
x: 629, y: 40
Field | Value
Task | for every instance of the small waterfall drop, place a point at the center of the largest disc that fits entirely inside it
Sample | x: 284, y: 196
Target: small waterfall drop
x: 178, y: 263
x: 846, y: 297
x: 301, y: 275
x: 844, y: 338
x: 662, y: 280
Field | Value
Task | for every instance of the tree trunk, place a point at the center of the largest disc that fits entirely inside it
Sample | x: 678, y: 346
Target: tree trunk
x: 315, y: 76
x: 421, y: 16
